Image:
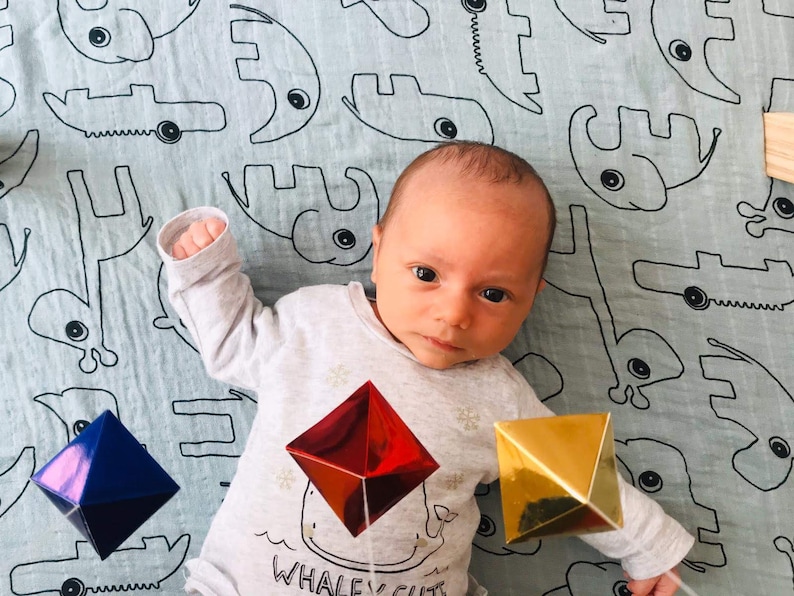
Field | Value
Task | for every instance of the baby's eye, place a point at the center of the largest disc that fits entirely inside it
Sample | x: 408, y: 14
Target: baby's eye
x: 493, y: 295
x: 424, y: 274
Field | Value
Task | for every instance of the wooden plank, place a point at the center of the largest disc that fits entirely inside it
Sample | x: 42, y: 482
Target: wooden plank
x: 779, y: 145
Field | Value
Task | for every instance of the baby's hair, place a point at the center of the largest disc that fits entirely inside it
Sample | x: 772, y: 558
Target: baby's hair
x: 484, y: 162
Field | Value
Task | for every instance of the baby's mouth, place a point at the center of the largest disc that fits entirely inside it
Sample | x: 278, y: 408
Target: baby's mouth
x: 440, y: 344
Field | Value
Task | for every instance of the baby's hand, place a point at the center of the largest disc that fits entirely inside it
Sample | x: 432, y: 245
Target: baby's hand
x: 661, y: 585
x: 199, y: 235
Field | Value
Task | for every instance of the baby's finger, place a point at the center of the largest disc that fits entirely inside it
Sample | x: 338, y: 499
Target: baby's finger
x: 215, y: 227
x: 178, y: 252
x: 200, y: 235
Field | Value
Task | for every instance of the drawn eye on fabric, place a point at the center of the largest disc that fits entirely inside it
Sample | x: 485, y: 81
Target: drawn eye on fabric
x: 596, y: 18
x: 684, y: 43
x: 490, y: 536
x: 15, y: 477
x: 77, y: 320
x: 492, y: 23
x: 711, y: 282
x: 403, y: 18
x: 10, y: 263
x: 776, y: 214
x: 15, y: 167
x: 8, y: 94
x: 766, y: 461
x: 401, y: 110
x: 639, y: 357
x: 324, y: 227
x: 126, y: 570
x: 113, y: 31
x: 283, y: 64
x: 585, y: 579
x: 170, y: 319
x: 778, y: 210
x: 660, y: 470
x: 329, y: 539
x: 637, y: 173
x: 231, y: 416
x: 136, y: 113
x: 76, y: 407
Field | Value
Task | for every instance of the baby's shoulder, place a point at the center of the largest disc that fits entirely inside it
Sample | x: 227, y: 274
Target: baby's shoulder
x: 313, y: 300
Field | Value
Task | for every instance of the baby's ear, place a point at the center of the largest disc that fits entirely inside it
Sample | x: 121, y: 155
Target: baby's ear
x: 377, y: 234
x: 541, y: 285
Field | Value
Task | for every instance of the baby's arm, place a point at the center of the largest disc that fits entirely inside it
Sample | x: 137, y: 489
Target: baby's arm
x: 199, y: 235
x: 233, y: 331
x: 651, y: 543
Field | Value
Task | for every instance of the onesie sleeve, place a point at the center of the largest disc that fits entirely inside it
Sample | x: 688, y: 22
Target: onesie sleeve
x: 650, y: 542
x: 234, y: 332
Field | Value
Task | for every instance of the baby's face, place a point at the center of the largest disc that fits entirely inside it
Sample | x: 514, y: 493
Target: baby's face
x: 459, y: 265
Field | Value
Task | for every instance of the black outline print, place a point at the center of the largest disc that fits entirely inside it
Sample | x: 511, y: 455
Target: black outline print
x: 584, y: 578
x: 77, y: 407
x: 776, y: 214
x: 428, y: 539
x: 639, y: 357
x: 113, y: 31
x: 170, y: 319
x: 401, y: 110
x: 778, y: 8
x: 10, y: 264
x: 785, y: 546
x: 489, y: 35
x: 547, y: 381
x: 490, y: 536
x: 778, y: 210
x: 75, y: 321
x: 134, y: 114
x: 711, y: 282
x: 15, y: 478
x: 8, y: 94
x: 403, y: 18
x: 276, y: 51
x: 125, y: 570
x: 766, y: 461
x: 595, y: 23
x: 660, y: 470
x: 14, y: 168
x: 241, y: 408
x: 684, y: 43
x: 622, y: 175
x: 323, y: 228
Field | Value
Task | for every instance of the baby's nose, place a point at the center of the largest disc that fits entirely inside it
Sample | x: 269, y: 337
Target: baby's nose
x: 455, y: 311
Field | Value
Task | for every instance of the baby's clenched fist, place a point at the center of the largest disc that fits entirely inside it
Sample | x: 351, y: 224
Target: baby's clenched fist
x: 199, y: 235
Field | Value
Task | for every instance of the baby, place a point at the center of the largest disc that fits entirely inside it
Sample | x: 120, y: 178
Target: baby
x: 458, y: 261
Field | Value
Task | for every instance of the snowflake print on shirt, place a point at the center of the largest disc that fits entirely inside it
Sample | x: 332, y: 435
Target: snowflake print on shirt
x: 285, y: 478
x: 337, y: 376
x: 468, y: 418
x: 454, y: 481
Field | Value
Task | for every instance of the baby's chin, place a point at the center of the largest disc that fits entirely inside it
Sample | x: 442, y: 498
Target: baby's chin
x: 443, y: 362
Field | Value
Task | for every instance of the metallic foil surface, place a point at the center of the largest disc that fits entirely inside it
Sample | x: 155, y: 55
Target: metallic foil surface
x: 105, y: 483
x: 558, y: 476
x: 362, y: 458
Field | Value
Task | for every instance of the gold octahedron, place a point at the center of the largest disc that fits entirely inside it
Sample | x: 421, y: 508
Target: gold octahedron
x: 558, y: 476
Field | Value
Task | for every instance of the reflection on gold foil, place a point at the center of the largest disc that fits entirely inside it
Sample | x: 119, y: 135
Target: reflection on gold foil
x: 558, y: 476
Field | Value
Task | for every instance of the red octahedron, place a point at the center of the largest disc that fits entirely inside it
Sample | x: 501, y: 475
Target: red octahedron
x: 362, y: 458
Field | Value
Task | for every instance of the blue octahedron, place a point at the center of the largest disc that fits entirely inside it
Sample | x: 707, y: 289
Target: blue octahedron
x: 105, y: 483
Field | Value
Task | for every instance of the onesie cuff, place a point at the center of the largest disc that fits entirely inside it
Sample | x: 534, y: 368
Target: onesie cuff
x: 183, y: 272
